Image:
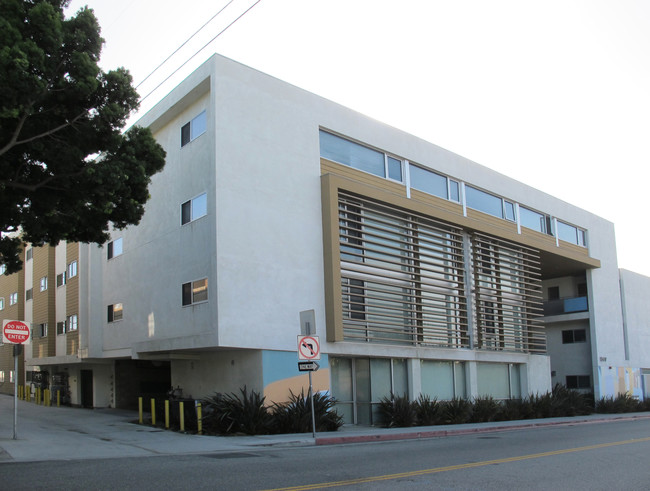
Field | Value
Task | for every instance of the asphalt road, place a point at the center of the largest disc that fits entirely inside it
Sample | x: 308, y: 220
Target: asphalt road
x: 600, y: 456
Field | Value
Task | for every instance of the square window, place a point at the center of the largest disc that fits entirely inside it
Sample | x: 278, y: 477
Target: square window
x: 42, y: 330
x: 194, y: 209
x: 115, y: 312
x: 60, y: 328
x: 29, y: 294
x: 44, y: 283
x: 192, y: 130
x: 553, y: 292
x: 60, y: 279
x: 114, y: 248
x: 13, y: 298
x: 29, y: 254
x: 195, y: 292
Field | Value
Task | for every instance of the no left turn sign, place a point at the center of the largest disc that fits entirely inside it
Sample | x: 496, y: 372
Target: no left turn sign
x: 308, y: 348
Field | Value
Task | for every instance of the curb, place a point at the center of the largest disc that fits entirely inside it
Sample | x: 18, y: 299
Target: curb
x: 417, y: 435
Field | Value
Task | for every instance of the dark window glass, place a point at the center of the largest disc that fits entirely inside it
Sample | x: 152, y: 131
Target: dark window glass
x: 187, y: 293
x: 553, y: 292
x: 60, y: 327
x: 582, y: 289
x: 109, y: 251
x: 579, y: 336
x: 186, y: 212
x: 110, y: 313
x: 567, y: 337
x: 185, y: 134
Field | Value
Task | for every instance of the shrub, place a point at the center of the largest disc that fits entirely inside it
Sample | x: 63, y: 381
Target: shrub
x: 294, y: 416
x: 456, y: 411
x: 230, y: 413
x: 485, y: 409
x: 569, y: 402
x: 622, y: 403
x: 428, y: 412
x: 397, y: 412
x: 514, y: 409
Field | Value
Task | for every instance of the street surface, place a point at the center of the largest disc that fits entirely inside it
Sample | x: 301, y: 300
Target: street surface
x: 598, y: 456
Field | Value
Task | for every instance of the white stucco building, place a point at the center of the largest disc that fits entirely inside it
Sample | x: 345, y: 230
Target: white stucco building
x: 426, y: 272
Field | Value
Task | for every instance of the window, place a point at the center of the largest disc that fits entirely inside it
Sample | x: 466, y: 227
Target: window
x: 428, y: 181
x: 3, y: 269
x: 72, y: 269
x: 553, y: 292
x: 195, y: 292
x: 44, y: 283
x: 193, y: 209
x: 489, y: 203
x: 535, y: 220
x: 60, y: 279
x: 360, y: 157
x: 71, y: 323
x: 29, y: 294
x: 115, y: 312
x: 578, y: 382
x: 42, y: 330
x: 193, y: 129
x: 13, y: 298
x: 569, y: 233
x: 29, y: 254
x: 60, y: 328
x: 114, y: 248
x: 2, y: 303
x: 571, y: 336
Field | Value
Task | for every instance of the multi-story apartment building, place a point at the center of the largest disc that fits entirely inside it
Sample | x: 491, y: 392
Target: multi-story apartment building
x: 426, y: 272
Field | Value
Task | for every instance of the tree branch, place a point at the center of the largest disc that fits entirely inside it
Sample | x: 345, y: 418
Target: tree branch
x: 14, y: 138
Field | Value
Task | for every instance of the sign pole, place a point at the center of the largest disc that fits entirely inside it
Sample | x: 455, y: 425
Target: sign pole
x: 16, y: 352
x: 313, y: 413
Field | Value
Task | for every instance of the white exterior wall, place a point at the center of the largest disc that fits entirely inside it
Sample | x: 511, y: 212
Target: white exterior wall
x: 636, y: 307
x: 261, y: 243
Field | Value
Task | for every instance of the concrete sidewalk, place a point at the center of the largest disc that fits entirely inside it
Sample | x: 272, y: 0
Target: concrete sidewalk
x: 63, y: 433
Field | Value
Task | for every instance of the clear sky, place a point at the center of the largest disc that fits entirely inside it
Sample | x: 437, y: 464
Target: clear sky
x: 554, y: 93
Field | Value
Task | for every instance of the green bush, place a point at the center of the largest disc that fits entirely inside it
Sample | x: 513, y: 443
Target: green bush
x: 428, y: 412
x: 397, y: 412
x: 622, y: 403
x: 457, y: 411
x: 569, y: 402
x: 230, y: 413
x: 294, y: 416
x: 485, y: 409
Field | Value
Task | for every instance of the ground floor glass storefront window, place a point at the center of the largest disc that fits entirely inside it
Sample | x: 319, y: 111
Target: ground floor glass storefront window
x: 359, y: 384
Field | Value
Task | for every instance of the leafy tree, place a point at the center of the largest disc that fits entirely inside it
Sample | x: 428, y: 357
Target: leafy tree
x: 66, y: 168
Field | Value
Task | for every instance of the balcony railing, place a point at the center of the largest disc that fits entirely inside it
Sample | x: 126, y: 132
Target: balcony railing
x: 566, y: 306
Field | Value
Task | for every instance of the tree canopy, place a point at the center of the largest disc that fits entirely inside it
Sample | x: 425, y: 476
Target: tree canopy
x: 67, y: 169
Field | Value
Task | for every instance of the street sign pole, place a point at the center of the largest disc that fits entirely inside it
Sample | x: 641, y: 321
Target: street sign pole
x: 16, y: 349
x: 313, y: 414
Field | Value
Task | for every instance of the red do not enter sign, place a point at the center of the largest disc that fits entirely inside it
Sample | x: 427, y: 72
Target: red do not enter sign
x: 15, y: 332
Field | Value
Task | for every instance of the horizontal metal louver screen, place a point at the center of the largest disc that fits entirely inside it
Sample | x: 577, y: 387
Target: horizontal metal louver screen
x: 402, y: 276
x: 507, y: 293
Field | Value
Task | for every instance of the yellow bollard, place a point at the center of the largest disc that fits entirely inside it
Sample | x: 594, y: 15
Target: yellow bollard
x: 167, y: 414
x: 58, y: 398
x: 140, y: 410
x: 153, y: 411
x: 181, y: 413
x: 199, y: 421
x: 28, y: 395
x: 46, y: 397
